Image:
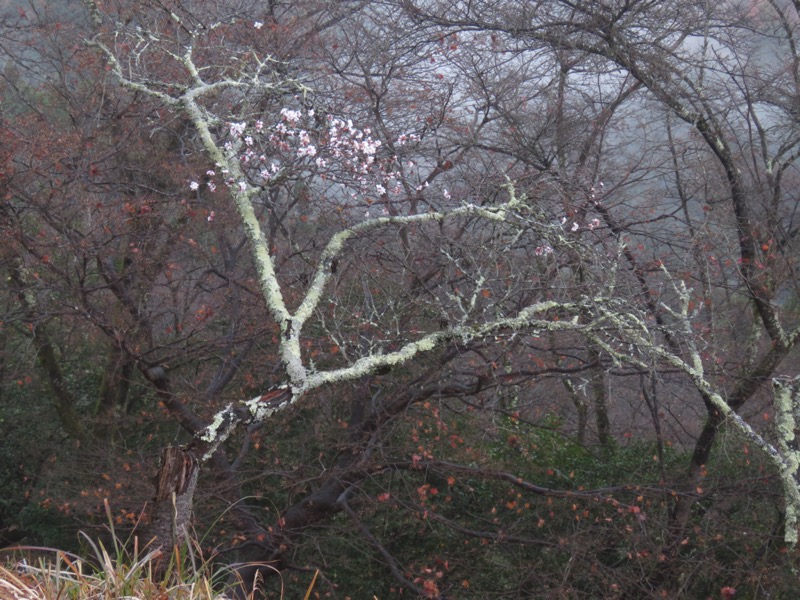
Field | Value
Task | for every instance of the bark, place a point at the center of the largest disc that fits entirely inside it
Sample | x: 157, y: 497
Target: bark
x: 170, y: 516
x: 682, y: 510
x: 748, y: 383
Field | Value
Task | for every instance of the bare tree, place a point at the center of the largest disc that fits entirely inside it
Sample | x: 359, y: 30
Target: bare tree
x: 227, y: 141
x: 496, y: 212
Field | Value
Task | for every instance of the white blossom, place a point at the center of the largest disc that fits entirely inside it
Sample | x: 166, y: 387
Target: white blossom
x: 291, y: 116
x: 309, y: 150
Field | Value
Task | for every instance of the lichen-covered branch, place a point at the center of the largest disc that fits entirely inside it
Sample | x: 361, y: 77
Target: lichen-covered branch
x: 786, y: 397
x: 614, y: 326
x: 338, y: 240
x: 291, y: 325
x: 526, y: 318
x: 632, y: 332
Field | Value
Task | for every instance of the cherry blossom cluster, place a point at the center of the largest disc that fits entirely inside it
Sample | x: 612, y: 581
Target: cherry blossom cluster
x: 591, y: 226
x: 329, y: 148
x: 574, y: 226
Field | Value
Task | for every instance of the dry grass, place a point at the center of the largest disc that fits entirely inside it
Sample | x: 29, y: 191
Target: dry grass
x: 123, y: 572
x: 57, y: 575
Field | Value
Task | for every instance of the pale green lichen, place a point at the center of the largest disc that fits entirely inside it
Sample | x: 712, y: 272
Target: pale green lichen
x: 260, y: 412
x: 785, y: 458
x: 368, y: 364
x: 264, y: 265
x: 292, y: 357
x: 212, y: 432
x: 785, y: 399
x: 791, y: 497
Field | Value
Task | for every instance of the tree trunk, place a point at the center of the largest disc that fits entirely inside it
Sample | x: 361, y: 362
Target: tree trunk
x: 170, y: 516
x: 582, y: 408
x: 600, y: 391
x: 115, y: 384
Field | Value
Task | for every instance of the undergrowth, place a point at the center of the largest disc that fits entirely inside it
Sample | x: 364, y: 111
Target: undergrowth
x: 123, y: 571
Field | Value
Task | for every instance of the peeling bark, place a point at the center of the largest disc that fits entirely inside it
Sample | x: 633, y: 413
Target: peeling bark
x: 170, y: 516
